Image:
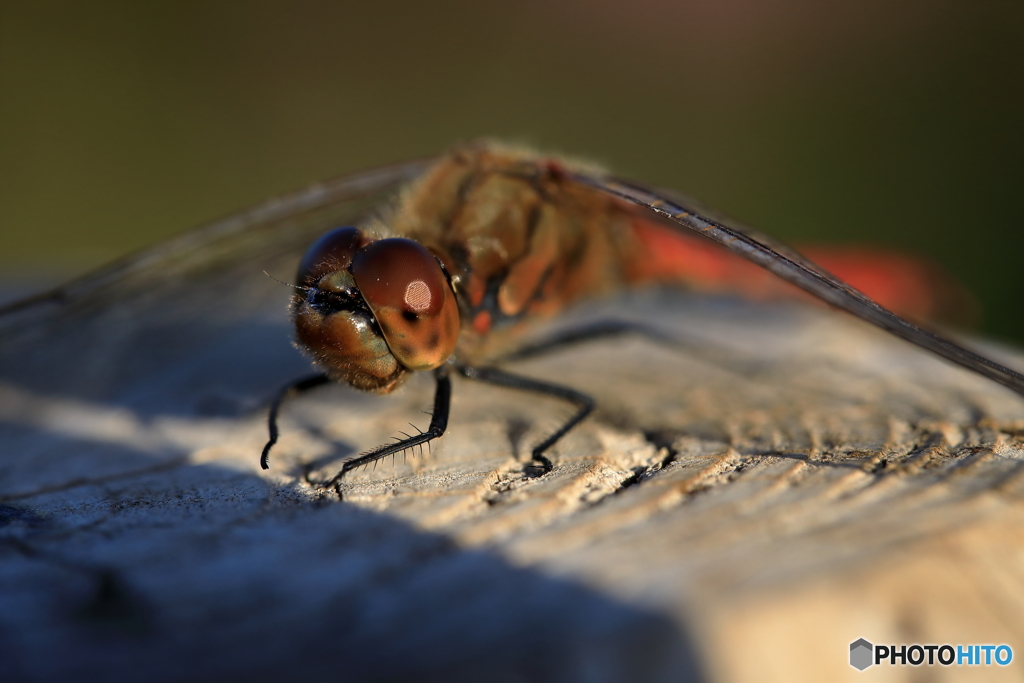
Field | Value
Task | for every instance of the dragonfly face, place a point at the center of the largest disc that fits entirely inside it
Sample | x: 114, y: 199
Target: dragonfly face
x: 370, y: 311
x: 522, y: 236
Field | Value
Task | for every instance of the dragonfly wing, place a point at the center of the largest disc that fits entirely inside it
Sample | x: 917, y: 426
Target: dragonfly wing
x: 139, y: 318
x: 287, y: 223
x: 678, y: 211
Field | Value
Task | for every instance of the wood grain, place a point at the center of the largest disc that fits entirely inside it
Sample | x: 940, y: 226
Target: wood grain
x: 745, y: 503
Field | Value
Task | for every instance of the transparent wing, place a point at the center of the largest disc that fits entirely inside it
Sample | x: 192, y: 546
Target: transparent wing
x: 284, y: 225
x: 681, y: 212
x: 148, y: 318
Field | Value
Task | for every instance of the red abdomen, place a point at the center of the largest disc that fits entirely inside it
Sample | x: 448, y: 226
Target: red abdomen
x: 910, y: 286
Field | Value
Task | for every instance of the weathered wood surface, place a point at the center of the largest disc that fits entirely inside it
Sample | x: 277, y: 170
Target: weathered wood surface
x: 740, y: 508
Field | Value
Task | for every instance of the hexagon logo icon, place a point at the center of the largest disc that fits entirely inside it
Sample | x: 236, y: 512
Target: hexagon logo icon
x: 861, y: 654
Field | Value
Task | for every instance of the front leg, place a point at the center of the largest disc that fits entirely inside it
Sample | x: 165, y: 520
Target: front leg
x: 438, y: 425
x: 298, y: 386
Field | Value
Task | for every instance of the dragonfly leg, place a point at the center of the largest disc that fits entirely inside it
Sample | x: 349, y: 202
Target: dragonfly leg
x: 298, y: 386
x: 693, y: 347
x: 438, y: 425
x: 595, y: 331
x: 584, y: 403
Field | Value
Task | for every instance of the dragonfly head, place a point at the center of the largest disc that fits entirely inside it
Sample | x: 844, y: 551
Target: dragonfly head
x: 369, y: 311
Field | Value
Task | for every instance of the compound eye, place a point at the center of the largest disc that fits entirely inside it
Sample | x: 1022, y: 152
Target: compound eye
x: 330, y: 253
x: 405, y: 287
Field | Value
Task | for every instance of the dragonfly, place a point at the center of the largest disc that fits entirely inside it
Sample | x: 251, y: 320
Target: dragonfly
x: 491, y: 238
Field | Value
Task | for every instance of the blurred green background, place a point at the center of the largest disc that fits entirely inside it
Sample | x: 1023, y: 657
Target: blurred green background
x: 852, y: 121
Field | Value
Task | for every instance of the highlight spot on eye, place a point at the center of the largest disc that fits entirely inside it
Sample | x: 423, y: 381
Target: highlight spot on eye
x: 417, y: 295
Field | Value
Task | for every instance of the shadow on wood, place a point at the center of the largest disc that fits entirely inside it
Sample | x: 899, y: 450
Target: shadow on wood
x: 743, y: 504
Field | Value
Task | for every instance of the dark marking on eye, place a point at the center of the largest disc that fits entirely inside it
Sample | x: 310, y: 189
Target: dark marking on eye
x: 410, y: 317
x: 434, y: 341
